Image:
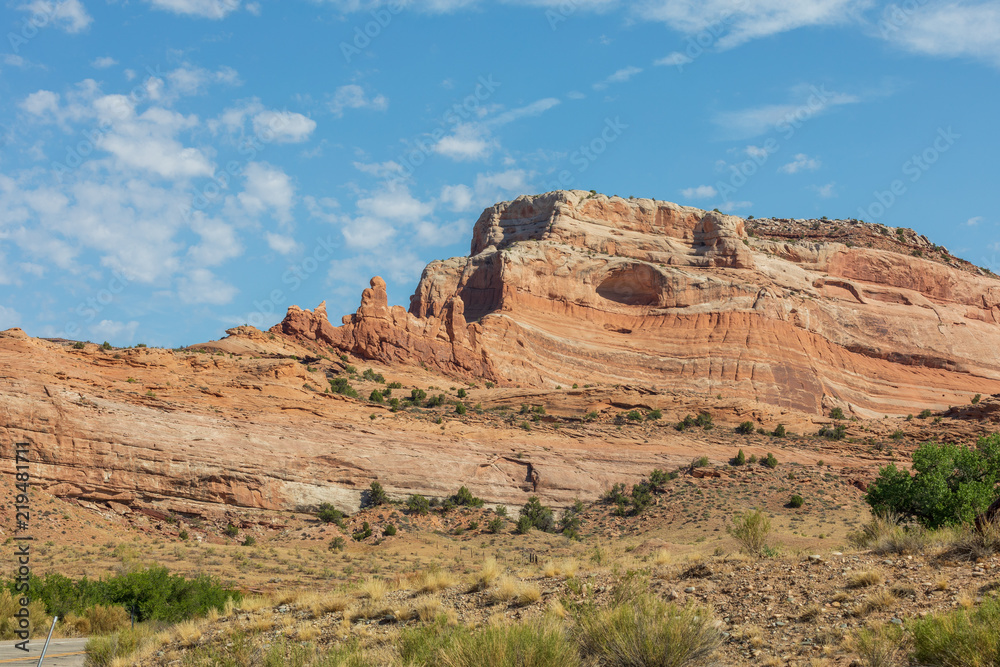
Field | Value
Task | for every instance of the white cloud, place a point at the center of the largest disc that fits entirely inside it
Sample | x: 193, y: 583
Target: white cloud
x: 9, y: 318
x: 122, y: 332
x: 468, y: 142
x: 754, y: 121
x: 286, y: 127
x: 353, y: 96
x: 282, y: 244
x: 219, y: 241
x: 148, y: 142
x: 739, y: 21
x: 209, y: 9
x: 267, y: 188
x: 733, y: 206
x: 493, y: 187
x: 69, y: 15
x: 826, y: 191
x: 802, y: 162
x: 621, y: 76
x: 575, y: 95
x: 675, y: 59
x: 396, y: 204
x: 202, y: 286
x: 699, y: 192
x: 972, y: 222
x: 379, y: 169
x: 190, y: 80
x: 534, y: 109
x: 11, y: 60
x: 322, y: 208
x: 103, y: 62
x: 456, y: 197
x: 41, y: 102
x: 948, y: 29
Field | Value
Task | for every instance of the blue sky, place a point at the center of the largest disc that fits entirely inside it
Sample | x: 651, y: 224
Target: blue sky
x: 171, y: 168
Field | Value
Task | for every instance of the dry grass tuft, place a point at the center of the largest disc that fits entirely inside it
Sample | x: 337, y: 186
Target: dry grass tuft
x: 374, y: 588
x: 487, y: 574
x: 864, y: 579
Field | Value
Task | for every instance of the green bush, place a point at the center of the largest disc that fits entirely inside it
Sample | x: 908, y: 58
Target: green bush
x: 417, y: 396
x: 364, y: 533
x: 746, y: 428
x: 524, y: 644
x: 337, y: 544
x: 107, y: 346
x: 376, y: 496
x: 924, y: 414
x: 79, y: 345
x: 249, y: 541
x: 463, y: 497
x: 372, y: 376
x: 389, y: 530
x: 975, y: 399
x: 330, y: 514
x: 951, y: 483
x: 494, y: 525
x: 231, y: 530
x: 376, y: 396
x: 739, y: 459
x: 657, y: 479
x: 779, y: 431
x: 770, y: 461
x: 751, y: 529
x: 540, y: 516
x: 633, y: 415
x: 523, y: 525
x: 105, y: 650
x: 342, y: 386
x: 645, y: 631
x: 417, y: 504
x: 462, y: 393
x: 655, y: 413
x: 831, y: 432
x: 435, y: 401
x: 460, y: 408
x: 837, y: 413
x: 796, y: 501
x: 959, y: 638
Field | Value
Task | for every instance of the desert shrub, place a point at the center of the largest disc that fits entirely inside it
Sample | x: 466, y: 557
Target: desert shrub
x: 523, y: 525
x: 525, y: 644
x: 540, y: 516
x: 460, y: 408
x: 38, y: 620
x: 880, y: 646
x: 79, y: 345
x: 105, y: 619
x: 107, y: 346
x: 393, y: 405
x: 417, y: 395
x: 500, y: 510
x: 337, y: 544
x: 884, y: 534
x: 653, y: 414
x: 739, y: 459
x: 958, y: 638
x: 796, y: 501
x: 342, y: 386
x: 746, y: 428
x: 951, y: 484
x: 375, y: 496
x: 924, y: 414
x: 376, y: 396
x: 751, y: 530
x: 389, y: 530
x: 108, y: 650
x: 973, y: 543
x: 657, y: 479
x: 231, y: 530
x: 183, y: 535
x: 833, y: 432
x: 462, y: 393
x: 752, y: 459
x: 704, y: 420
x: 975, y: 399
x: 329, y: 514
x: 372, y: 376
x: 615, y: 495
x: 364, y: 533
x: 837, y: 413
x: 699, y: 462
x: 649, y: 632
x: 642, y: 497
x: 417, y: 504
x: 249, y: 541
x: 633, y: 415
x: 463, y: 497
x: 494, y: 525
x: 779, y: 431
x: 770, y: 461
x: 897, y: 434
x: 435, y: 401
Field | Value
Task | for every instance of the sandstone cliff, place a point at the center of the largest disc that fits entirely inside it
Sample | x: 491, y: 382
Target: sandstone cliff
x: 571, y: 287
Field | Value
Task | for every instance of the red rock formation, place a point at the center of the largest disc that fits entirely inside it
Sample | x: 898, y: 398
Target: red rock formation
x: 568, y: 287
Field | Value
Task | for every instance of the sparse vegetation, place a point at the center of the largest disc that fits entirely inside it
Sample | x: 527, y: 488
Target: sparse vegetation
x: 752, y: 529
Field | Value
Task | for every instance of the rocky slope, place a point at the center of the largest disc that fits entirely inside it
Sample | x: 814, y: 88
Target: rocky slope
x: 808, y: 315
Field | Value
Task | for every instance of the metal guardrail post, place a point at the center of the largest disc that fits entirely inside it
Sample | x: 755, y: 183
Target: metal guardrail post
x: 47, y: 640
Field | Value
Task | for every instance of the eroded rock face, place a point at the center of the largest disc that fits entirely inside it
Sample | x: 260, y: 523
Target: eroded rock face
x: 568, y: 287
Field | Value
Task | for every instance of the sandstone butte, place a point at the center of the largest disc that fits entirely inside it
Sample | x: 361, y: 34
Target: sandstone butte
x: 641, y: 303
x: 567, y: 286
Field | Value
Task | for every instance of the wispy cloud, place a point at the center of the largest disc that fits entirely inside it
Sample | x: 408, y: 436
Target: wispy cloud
x: 621, y: 76
x: 802, y: 162
x: 699, y: 192
x: 808, y: 102
x: 947, y: 29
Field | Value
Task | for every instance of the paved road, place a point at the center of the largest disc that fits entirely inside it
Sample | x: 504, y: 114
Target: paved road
x: 61, y: 653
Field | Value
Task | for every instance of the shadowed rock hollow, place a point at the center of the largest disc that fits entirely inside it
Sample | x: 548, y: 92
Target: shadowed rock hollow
x: 570, y: 287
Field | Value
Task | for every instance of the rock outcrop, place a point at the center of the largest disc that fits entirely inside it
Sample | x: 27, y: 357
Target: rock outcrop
x: 571, y: 287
